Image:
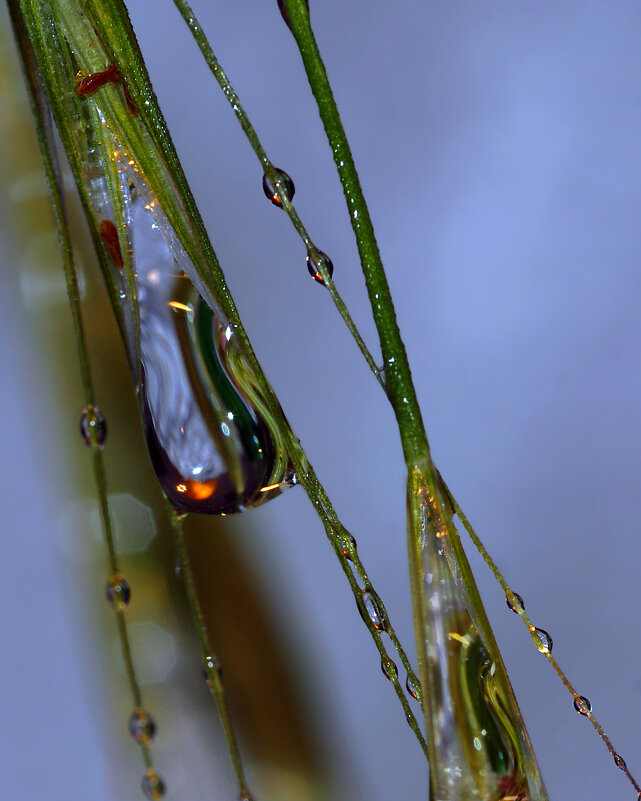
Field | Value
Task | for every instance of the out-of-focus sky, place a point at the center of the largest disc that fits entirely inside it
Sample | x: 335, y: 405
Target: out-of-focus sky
x: 498, y: 145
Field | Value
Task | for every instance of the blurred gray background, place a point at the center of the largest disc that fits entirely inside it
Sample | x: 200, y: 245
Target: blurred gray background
x: 498, y: 146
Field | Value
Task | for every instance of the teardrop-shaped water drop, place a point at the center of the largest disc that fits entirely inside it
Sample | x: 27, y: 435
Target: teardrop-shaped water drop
x: 118, y: 591
x: 514, y: 602
x: 314, y: 270
x: 371, y: 608
x: 413, y: 687
x: 388, y: 666
x: 211, y: 434
x: 142, y: 726
x: 283, y: 182
x: 283, y: 10
x: 541, y: 640
x: 153, y: 786
x: 93, y: 426
x: 582, y: 705
x: 245, y: 795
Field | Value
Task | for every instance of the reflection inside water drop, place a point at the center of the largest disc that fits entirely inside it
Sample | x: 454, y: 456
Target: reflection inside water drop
x: 211, y: 436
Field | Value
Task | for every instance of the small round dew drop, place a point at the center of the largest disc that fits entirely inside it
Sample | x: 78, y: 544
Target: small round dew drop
x: 514, y: 602
x: 245, y: 795
x: 313, y: 267
x: 286, y: 186
x: 582, y: 705
x: 118, y: 591
x: 142, y: 726
x: 93, y: 426
x: 542, y: 640
x: 413, y: 688
x: 390, y: 671
x: 153, y: 786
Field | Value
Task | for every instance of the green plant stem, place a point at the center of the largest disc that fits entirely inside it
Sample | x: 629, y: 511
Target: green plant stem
x: 213, y: 676
x: 398, y: 379
x: 250, y: 132
x: 46, y: 144
x: 117, y: 45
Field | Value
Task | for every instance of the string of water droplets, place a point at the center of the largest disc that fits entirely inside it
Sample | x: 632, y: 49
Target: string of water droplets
x: 279, y: 187
x: 93, y: 427
x: 358, y: 213
x: 543, y: 643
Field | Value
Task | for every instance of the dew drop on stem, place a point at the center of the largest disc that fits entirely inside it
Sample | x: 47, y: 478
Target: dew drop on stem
x: 283, y: 182
x: 314, y: 269
x: 542, y: 640
x: 153, y: 787
x: 413, y: 688
x: 371, y: 609
x: 388, y: 666
x: 514, y: 602
x: 142, y: 726
x: 93, y: 426
x: 118, y: 592
x: 582, y: 705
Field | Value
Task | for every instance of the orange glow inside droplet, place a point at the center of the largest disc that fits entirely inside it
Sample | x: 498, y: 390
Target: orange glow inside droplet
x: 197, y: 490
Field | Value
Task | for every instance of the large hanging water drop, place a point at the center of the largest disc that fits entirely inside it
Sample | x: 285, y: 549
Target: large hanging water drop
x: 210, y: 433
x: 478, y: 747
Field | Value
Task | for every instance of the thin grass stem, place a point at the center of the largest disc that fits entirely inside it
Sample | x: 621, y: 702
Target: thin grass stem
x: 210, y: 661
x: 219, y: 74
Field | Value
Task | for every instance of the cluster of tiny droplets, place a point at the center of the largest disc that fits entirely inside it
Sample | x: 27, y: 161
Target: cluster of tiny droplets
x: 142, y: 726
x: 285, y: 185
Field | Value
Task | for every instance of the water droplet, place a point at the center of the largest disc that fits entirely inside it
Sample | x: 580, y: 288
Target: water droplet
x: 542, y: 640
x: 93, y: 426
x: 348, y: 540
x: 118, y: 592
x: 213, y: 441
x: 245, y: 795
x: 371, y: 608
x: 388, y: 666
x: 313, y: 267
x: 514, y: 602
x: 582, y: 705
x: 619, y: 761
x: 413, y: 688
x: 153, y: 786
x: 142, y: 726
x: 286, y: 186
x: 285, y: 14
x: 211, y: 663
